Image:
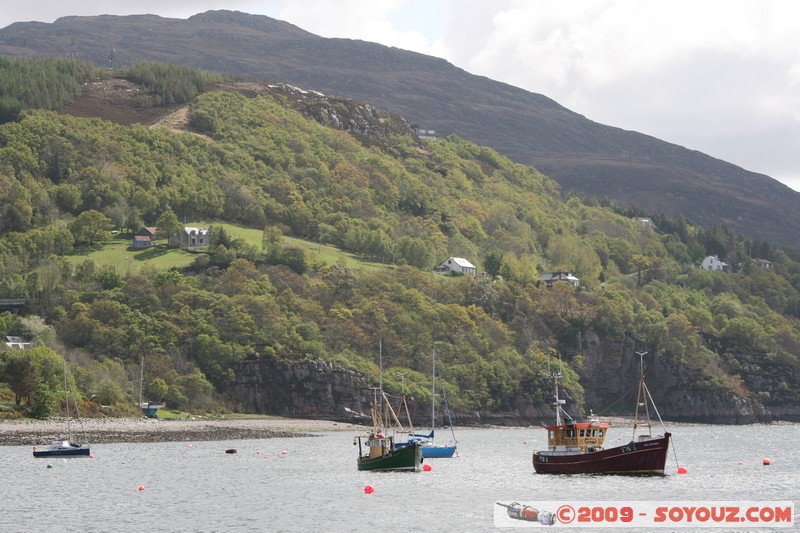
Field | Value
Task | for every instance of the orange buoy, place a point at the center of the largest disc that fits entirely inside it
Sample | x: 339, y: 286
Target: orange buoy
x: 426, y: 468
x: 766, y: 461
x: 682, y: 470
x: 369, y: 489
x: 141, y: 487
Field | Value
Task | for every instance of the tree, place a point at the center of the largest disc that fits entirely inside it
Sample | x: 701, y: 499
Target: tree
x: 168, y: 225
x: 272, y: 241
x: 159, y: 389
x: 90, y: 226
x: 492, y: 263
x: 19, y: 372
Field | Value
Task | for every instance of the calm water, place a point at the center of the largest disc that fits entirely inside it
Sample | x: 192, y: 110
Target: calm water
x: 315, y: 486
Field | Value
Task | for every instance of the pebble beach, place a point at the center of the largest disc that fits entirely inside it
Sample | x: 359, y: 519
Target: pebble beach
x: 133, y: 430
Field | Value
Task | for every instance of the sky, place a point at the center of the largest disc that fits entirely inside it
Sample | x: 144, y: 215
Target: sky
x: 718, y: 76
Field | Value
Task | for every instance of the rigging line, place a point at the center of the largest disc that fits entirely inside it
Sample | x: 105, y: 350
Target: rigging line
x: 447, y: 407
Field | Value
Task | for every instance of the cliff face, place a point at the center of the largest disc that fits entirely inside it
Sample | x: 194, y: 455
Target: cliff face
x: 309, y: 389
x: 610, y: 375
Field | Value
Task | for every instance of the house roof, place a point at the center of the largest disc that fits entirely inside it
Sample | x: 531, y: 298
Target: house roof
x: 463, y: 263
x: 141, y: 238
x: 552, y: 276
x: 196, y: 231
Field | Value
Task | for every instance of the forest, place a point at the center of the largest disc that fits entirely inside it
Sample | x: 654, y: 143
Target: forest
x: 69, y: 185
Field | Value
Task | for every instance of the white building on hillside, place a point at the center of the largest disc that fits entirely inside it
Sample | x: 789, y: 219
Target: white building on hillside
x: 712, y: 262
x: 456, y: 265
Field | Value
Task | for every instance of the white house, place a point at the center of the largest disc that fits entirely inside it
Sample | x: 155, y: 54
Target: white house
x: 18, y: 342
x: 456, y: 265
x: 712, y: 262
x: 551, y: 277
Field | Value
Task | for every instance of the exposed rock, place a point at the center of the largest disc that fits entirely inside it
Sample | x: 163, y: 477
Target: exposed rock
x: 308, y: 389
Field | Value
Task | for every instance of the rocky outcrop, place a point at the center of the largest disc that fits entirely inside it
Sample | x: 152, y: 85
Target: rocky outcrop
x: 610, y: 377
x: 307, y: 389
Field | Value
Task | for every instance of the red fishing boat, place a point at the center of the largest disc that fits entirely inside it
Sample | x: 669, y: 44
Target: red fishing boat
x: 577, y: 447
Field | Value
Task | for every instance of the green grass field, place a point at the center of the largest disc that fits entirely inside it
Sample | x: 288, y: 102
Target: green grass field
x: 118, y: 253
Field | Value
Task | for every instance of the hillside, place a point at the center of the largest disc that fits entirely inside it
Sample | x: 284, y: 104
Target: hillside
x: 581, y: 155
x: 259, y: 323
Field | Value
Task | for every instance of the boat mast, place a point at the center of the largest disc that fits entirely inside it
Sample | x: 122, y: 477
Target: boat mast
x: 433, y: 391
x: 642, y: 396
x: 66, y: 401
x: 141, y: 381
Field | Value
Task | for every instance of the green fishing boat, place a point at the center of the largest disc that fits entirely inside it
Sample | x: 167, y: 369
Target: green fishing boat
x: 377, y: 452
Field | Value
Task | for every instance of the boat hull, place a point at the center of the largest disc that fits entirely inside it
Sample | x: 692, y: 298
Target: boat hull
x: 407, y: 458
x: 73, y: 451
x: 438, y: 451
x: 646, y: 457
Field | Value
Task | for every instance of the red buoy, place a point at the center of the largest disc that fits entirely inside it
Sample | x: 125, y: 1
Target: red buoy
x: 141, y: 487
x: 284, y: 452
x: 369, y: 489
x: 91, y: 456
x: 426, y: 468
x: 682, y: 470
x: 766, y: 461
x: 524, y: 442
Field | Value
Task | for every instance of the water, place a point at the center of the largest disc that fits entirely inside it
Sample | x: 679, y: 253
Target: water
x: 315, y: 486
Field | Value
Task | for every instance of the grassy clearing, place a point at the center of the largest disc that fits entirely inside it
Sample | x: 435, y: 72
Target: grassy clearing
x: 328, y: 254
x: 118, y: 253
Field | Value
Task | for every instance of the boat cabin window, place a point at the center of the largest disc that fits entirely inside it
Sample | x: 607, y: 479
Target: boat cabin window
x: 570, y: 433
x: 594, y: 433
x: 601, y: 432
x: 582, y: 432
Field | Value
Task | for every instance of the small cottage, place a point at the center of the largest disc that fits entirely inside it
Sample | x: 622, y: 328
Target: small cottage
x: 712, y: 262
x: 549, y: 278
x: 141, y: 241
x: 17, y: 343
x: 148, y: 231
x: 456, y: 266
x: 762, y: 263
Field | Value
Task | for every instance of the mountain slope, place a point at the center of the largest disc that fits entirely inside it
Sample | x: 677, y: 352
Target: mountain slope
x: 580, y: 154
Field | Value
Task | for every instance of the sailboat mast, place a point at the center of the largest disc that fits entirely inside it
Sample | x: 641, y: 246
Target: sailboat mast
x: 433, y: 391
x: 141, y: 381
x: 66, y: 400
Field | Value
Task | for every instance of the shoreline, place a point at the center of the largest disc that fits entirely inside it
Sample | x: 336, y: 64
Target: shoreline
x: 148, y: 430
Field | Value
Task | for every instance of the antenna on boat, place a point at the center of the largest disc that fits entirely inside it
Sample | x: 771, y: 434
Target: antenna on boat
x: 555, y: 376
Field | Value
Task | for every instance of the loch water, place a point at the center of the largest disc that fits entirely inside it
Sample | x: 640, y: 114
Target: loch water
x: 315, y: 485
